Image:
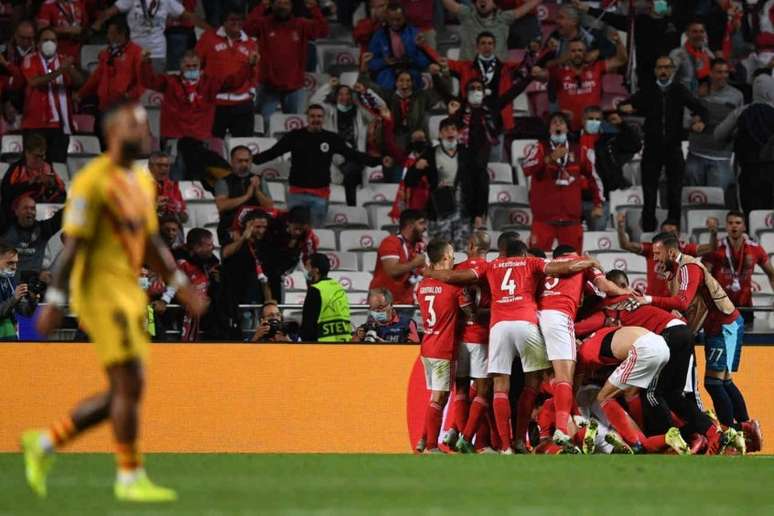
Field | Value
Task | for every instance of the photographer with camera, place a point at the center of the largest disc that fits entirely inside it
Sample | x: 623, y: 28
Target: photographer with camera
x: 384, y: 323
x: 272, y: 326
x: 14, y: 299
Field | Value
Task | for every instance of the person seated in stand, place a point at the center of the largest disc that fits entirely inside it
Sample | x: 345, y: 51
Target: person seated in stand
x: 384, y: 323
x: 272, y: 326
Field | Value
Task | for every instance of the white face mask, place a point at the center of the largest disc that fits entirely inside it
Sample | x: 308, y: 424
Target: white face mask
x: 144, y: 282
x: 48, y: 48
x: 475, y: 97
x: 344, y: 107
x: 559, y: 139
x: 449, y: 145
x: 7, y: 273
x: 592, y: 126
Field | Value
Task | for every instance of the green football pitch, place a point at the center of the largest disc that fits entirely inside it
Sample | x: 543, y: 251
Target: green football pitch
x: 81, y: 484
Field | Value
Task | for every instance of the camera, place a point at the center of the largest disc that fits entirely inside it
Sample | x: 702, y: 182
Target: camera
x: 35, y: 291
x: 275, y: 326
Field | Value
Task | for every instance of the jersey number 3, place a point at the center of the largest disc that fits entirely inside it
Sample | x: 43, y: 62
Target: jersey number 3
x: 430, y: 322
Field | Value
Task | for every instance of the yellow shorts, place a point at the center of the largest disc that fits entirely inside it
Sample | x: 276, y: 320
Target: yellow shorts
x: 118, y: 332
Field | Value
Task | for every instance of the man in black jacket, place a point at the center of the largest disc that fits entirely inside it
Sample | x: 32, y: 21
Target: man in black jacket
x: 662, y: 104
x: 30, y: 236
x: 311, y: 151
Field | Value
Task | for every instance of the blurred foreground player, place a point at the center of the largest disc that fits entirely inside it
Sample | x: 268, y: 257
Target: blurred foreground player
x: 112, y: 230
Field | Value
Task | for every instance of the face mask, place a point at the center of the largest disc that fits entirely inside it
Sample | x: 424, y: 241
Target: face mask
x: 660, y: 7
x: 344, y: 107
x: 48, y: 48
x: 418, y: 147
x: 475, y: 97
x: 308, y: 275
x: 378, y: 316
x: 664, y: 84
x: 131, y: 150
x: 191, y: 75
x: 144, y: 283
x: 7, y: 273
x: 23, y: 51
x: 559, y: 139
x: 449, y: 145
x: 592, y: 126
x: 487, y: 59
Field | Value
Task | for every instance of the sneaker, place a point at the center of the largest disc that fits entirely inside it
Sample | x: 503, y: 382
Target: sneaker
x: 141, y: 489
x: 740, y: 443
x: 507, y: 451
x: 487, y: 450
x: 590, y: 439
x: 675, y: 441
x: 714, y: 437
x: 753, y: 435
x: 421, y: 445
x: 570, y: 450
x: 464, y: 446
x: 520, y: 447
x: 565, y: 441
x: 450, y: 437
x: 727, y: 440
x: 37, y: 463
x: 619, y: 445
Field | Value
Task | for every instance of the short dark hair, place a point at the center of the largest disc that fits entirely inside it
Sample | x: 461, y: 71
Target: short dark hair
x: 563, y: 249
x: 696, y: 21
x: 320, y: 262
x: 671, y: 222
x: 35, y: 142
x: 447, y: 122
x: 239, y: 148
x: 232, y: 8
x: 735, y: 213
x: 196, y: 236
x: 485, y: 34
x: 504, y: 237
x: 169, y: 217
x: 615, y: 274
x: 536, y: 252
x: 6, y: 248
x: 667, y: 240
x: 561, y: 115
x: 436, y: 249
x: 119, y: 22
x: 409, y: 216
x: 578, y: 40
x: 46, y: 29
x: 394, y: 6
x: 514, y: 246
x: 718, y: 61
x: 253, y: 215
x: 299, y: 215
x: 592, y: 109
x: 315, y: 106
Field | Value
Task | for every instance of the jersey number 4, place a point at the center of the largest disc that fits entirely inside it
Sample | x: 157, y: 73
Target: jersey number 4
x: 508, y: 284
x: 430, y: 322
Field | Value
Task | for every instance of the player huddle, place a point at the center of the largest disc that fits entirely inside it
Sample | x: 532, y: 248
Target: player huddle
x: 626, y: 387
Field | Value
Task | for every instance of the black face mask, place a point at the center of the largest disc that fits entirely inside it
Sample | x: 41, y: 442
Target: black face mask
x: 418, y: 147
x: 131, y: 150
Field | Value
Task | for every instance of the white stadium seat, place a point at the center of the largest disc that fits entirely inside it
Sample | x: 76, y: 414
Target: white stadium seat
x: 194, y: 191
x: 368, y: 261
x: 519, y: 149
x: 508, y: 195
x: 629, y: 197
x: 766, y: 240
x: 12, y: 144
x: 761, y: 284
x: 703, y: 236
x: 460, y: 257
x: 90, y: 56
x: 3, y: 168
x: 259, y: 126
x: 327, y: 239
x: 453, y: 53
x: 627, y: 262
x: 361, y: 239
x: 154, y: 121
x: 353, y: 281
x: 765, y: 301
x: 500, y: 173
x: 760, y: 220
x: 82, y: 144
x: 511, y: 216
x: 379, y: 217
x: 348, y: 78
x: 342, y: 260
x: 373, y: 175
x: 377, y: 193
x: 281, y: 123
x: 697, y: 219
x: 433, y: 125
x: 346, y: 217
x: 702, y: 196
x: 152, y: 99
x: 638, y: 281
x: 331, y: 56
x: 338, y: 195
x: 357, y: 298
x: 203, y: 214
x: 295, y: 281
x: 276, y: 170
x: 62, y: 170
x: 600, y: 241
x: 44, y: 211
x: 277, y: 192
x: 491, y: 255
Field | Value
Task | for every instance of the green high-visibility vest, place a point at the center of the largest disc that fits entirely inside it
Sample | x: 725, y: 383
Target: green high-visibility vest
x: 333, y: 323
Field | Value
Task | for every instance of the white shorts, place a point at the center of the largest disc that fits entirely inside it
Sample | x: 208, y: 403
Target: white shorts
x: 507, y: 339
x: 558, y: 331
x: 647, y: 357
x: 437, y: 373
x: 471, y: 360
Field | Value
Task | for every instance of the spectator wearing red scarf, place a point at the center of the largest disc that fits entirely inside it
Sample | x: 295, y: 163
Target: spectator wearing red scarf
x: 692, y: 60
x: 68, y: 19
x: 169, y: 199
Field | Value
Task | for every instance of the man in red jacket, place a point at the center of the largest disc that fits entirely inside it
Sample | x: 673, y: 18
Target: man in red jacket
x: 557, y: 169
x: 68, y: 18
x: 365, y: 28
x: 283, y: 40
x: 226, y: 52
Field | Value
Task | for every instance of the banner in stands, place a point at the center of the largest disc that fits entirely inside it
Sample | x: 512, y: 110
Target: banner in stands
x: 263, y: 398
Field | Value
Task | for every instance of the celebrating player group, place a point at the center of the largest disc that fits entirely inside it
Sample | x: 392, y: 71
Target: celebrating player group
x: 601, y: 368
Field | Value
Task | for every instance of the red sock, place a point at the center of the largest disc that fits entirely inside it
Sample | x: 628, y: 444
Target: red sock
x: 494, y: 435
x: 484, y: 432
x: 619, y: 420
x: 433, y: 418
x: 524, y: 412
x: 502, y: 412
x: 546, y: 418
x: 563, y: 402
x: 461, y: 409
x: 635, y: 410
x: 477, y: 409
x: 579, y: 436
x: 655, y: 443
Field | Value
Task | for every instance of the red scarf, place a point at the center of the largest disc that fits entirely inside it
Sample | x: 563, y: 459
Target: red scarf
x: 701, y: 61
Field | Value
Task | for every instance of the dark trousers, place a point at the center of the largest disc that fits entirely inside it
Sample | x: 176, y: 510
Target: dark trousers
x: 56, y: 143
x: 353, y: 177
x: 475, y: 181
x: 654, y: 158
x: 756, y: 186
x: 666, y: 393
x: 238, y: 120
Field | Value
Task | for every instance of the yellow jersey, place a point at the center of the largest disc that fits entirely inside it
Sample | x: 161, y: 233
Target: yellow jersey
x: 113, y: 211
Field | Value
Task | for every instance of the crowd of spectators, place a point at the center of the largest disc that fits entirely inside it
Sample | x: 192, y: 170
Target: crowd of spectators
x: 658, y: 94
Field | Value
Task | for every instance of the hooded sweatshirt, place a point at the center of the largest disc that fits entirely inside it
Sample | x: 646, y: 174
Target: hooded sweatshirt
x: 754, y: 123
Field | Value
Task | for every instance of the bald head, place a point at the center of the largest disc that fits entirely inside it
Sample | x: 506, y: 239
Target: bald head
x: 478, y: 244
x: 126, y: 132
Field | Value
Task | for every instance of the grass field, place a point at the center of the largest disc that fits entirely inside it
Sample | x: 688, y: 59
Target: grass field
x: 81, y: 484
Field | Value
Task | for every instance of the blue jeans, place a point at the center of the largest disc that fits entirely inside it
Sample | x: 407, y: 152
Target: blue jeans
x: 268, y: 98
x: 708, y: 172
x: 318, y: 206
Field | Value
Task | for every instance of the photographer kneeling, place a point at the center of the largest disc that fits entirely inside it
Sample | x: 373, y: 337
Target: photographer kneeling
x: 14, y: 299
x: 384, y: 323
x: 273, y: 328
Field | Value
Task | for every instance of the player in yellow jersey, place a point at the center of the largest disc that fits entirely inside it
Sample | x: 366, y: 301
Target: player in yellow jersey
x: 111, y: 230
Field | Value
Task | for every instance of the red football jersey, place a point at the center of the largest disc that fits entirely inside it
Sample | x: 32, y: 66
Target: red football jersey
x: 477, y: 332
x: 439, y: 304
x: 575, y: 91
x: 589, y: 358
x: 512, y: 283
x: 564, y: 294
x: 397, y: 247
x: 729, y: 265
x: 657, y: 283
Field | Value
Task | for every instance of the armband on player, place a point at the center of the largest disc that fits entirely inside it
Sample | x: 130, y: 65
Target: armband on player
x: 56, y: 297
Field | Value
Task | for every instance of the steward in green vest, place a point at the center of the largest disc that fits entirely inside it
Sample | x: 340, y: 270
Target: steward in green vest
x: 326, y: 307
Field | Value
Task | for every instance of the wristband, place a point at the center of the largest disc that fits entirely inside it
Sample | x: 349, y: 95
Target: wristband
x: 178, y: 280
x: 56, y: 297
x: 648, y: 299
x: 263, y: 278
